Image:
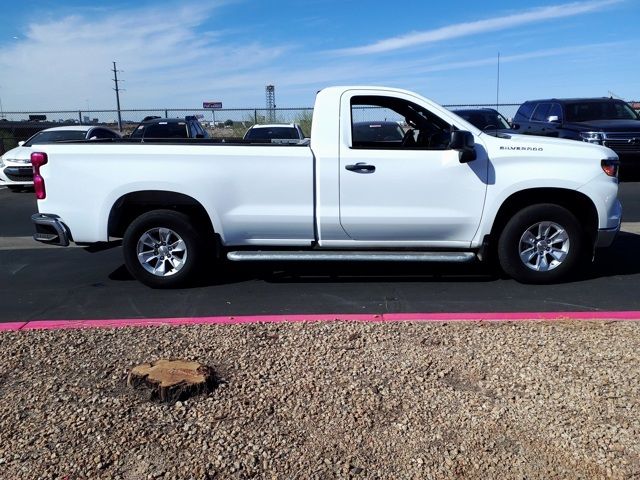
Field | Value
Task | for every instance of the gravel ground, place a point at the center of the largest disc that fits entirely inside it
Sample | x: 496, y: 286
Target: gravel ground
x: 328, y: 400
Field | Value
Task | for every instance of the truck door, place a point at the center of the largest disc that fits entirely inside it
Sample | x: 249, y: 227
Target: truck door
x: 408, y: 186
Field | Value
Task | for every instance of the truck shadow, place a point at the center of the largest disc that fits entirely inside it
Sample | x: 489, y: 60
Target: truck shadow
x: 228, y: 273
x: 361, y: 272
x: 620, y: 259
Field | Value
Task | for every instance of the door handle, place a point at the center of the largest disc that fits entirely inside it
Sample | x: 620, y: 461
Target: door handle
x: 361, y: 167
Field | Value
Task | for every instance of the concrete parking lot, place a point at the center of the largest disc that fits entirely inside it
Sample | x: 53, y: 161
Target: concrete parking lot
x: 71, y: 283
x: 331, y: 399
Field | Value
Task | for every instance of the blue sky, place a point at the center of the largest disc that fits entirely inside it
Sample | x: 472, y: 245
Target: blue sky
x: 57, y: 55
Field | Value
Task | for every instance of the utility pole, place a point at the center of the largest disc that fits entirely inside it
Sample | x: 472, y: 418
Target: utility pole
x: 1, y: 109
x: 117, y: 89
x: 498, y: 85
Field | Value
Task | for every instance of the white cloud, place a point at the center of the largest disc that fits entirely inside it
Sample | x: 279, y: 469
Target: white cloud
x: 163, y: 51
x: 478, y: 27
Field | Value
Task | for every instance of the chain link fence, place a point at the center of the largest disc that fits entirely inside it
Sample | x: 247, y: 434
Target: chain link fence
x: 17, y: 126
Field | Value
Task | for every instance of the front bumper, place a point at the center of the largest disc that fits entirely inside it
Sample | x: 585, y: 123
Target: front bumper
x: 606, y: 236
x: 50, y: 229
x: 16, y: 175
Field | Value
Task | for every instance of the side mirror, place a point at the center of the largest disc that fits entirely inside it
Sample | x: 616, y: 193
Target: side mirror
x: 515, y: 126
x: 553, y: 119
x: 20, y: 143
x: 463, y: 142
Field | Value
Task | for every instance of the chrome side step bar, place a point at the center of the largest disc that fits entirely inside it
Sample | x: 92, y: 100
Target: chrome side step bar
x: 340, y: 256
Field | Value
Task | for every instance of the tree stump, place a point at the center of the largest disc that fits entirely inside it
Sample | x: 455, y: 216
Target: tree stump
x: 172, y: 380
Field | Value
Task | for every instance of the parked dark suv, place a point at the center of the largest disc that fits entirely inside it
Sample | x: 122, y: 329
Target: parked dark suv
x: 604, y: 121
x: 156, y: 127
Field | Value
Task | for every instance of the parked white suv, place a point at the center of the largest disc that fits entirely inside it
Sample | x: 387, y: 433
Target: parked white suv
x: 15, y: 165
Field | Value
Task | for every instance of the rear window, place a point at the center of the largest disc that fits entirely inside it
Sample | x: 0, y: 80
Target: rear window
x: 272, y: 133
x: 55, y: 136
x: 166, y: 130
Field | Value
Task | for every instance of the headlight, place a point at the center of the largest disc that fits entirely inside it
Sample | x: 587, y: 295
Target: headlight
x: 592, y: 137
x: 18, y: 160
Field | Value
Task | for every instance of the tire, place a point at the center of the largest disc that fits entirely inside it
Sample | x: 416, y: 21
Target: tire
x: 162, y: 249
x: 541, y: 244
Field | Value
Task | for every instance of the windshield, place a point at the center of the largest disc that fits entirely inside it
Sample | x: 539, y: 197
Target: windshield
x: 55, y: 136
x: 272, y: 133
x: 484, y: 119
x: 605, y: 110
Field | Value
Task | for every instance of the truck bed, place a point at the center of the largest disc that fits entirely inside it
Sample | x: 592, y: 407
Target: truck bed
x: 266, y: 190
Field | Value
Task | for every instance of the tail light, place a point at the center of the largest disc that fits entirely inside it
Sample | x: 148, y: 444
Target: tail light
x: 37, y: 160
x: 610, y: 166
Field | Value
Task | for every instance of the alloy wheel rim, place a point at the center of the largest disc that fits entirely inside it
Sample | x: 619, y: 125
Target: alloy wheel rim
x: 544, y: 246
x: 161, y: 252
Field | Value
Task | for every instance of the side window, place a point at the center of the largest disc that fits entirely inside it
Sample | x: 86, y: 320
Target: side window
x: 391, y: 123
x: 96, y: 133
x: 524, y: 112
x: 555, y: 110
x: 541, y: 112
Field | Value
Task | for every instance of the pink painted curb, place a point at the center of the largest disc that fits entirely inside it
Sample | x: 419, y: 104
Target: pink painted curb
x: 513, y: 316
x: 12, y: 326
x: 387, y: 317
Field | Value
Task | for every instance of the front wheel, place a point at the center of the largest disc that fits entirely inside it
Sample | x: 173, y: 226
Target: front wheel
x: 541, y: 244
x: 162, y: 249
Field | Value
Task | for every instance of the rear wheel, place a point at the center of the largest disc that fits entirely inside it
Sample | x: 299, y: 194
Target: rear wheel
x: 162, y: 249
x: 541, y: 244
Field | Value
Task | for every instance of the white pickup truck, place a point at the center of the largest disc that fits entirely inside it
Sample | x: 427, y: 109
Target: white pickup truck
x: 446, y: 192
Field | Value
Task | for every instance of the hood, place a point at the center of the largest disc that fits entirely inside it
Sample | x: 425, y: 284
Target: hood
x: 534, y: 143
x: 18, y: 153
x: 606, y: 126
x: 500, y: 132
